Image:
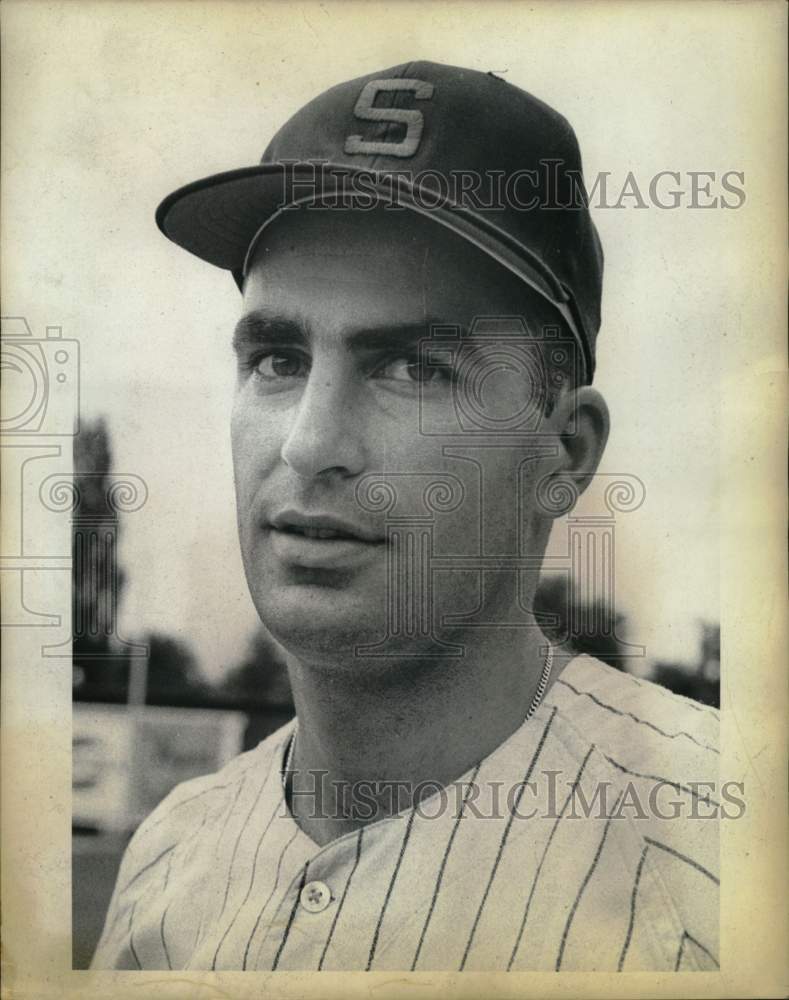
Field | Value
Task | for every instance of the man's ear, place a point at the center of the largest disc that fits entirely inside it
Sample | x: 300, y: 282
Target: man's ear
x: 581, y: 422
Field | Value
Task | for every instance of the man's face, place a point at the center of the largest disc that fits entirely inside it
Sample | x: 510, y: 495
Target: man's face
x: 333, y: 465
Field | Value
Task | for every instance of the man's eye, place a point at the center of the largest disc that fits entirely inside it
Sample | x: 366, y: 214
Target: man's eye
x: 415, y: 371
x: 282, y: 365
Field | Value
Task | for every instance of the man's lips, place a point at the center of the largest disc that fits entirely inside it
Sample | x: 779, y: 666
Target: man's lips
x: 322, y: 527
x: 322, y: 541
x: 324, y: 533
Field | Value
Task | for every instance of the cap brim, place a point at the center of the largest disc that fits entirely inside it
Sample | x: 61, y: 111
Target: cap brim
x: 218, y: 218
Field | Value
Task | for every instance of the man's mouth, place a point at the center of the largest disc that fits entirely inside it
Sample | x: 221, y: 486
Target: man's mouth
x: 322, y: 540
x: 317, y: 532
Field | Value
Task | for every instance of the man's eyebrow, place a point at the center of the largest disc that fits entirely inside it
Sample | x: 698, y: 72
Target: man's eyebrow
x: 259, y: 328
x: 263, y: 328
x: 390, y: 335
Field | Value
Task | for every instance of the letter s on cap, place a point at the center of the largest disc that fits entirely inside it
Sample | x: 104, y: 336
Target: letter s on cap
x: 410, y: 117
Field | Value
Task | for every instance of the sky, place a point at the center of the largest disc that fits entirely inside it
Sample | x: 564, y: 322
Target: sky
x: 109, y: 108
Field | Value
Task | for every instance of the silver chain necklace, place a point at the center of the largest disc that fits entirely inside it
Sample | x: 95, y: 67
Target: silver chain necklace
x: 542, y: 685
x: 535, y: 704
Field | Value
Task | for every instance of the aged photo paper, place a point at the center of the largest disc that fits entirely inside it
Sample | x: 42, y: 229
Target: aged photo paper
x: 393, y: 512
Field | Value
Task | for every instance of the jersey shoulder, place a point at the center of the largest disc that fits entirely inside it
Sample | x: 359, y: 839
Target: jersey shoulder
x: 191, y: 810
x: 657, y: 754
x: 190, y: 802
x: 636, y: 723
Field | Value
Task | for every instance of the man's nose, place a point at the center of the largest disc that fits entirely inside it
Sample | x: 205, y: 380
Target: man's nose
x: 325, y: 435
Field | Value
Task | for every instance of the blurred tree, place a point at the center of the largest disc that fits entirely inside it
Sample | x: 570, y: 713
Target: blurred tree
x: 261, y: 677
x: 101, y: 664
x: 700, y: 681
x: 100, y: 671
x: 555, y: 597
x: 172, y: 670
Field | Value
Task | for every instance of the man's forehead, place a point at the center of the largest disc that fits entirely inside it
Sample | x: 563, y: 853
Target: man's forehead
x: 362, y: 313
x: 384, y: 264
x: 298, y: 262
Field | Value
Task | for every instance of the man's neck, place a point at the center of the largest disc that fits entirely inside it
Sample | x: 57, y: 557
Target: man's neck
x: 395, y: 730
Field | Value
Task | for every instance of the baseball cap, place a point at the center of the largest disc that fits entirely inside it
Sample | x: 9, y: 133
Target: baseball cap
x: 468, y: 149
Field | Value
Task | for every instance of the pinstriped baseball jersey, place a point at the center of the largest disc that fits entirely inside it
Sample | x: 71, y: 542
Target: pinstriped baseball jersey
x: 588, y: 840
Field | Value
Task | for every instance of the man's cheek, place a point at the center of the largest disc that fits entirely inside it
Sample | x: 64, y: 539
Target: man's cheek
x: 250, y: 440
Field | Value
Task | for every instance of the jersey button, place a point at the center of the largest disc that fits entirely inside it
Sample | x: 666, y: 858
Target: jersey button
x: 315, y: 897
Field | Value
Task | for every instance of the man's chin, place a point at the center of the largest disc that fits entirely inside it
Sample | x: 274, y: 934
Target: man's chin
x: 313, y: 621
